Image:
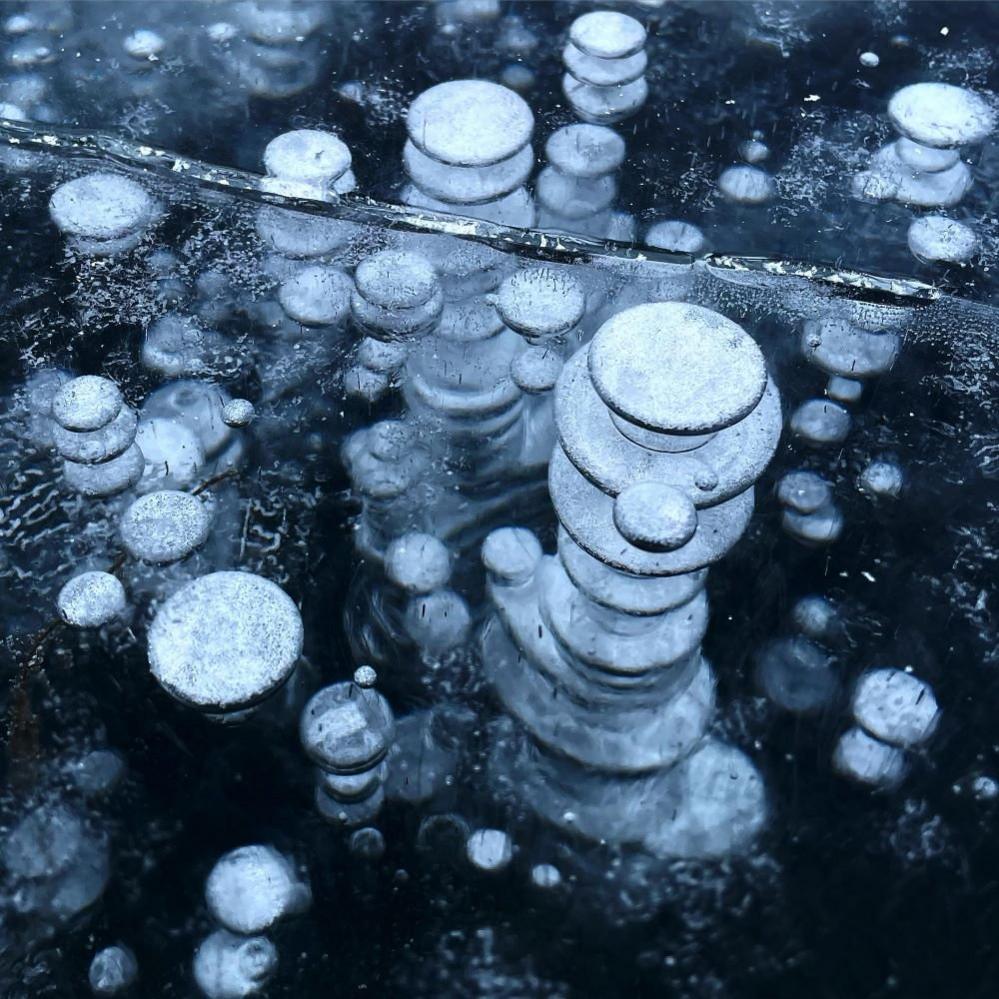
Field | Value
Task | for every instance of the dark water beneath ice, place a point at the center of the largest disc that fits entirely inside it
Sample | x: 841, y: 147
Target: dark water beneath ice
x: 847, y: 893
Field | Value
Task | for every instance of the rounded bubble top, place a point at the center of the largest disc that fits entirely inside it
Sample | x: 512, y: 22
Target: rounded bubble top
x: 396, y: 279
x: 307, y: 154
x: 251, y: 888
x: 317, y: 296
x: 747, y: 185
x: 225, y: 640
x: 238, y: 413
x: 584, y: 150
x: 418, y: 562
x: 469, y: 122
x: 164, y: 526
x: 112, y: 970
x: 804, y: 491
x: 607, y: 34
x: 938, y: 238
x: 676, y: 368
x: 536, y: 369
x: 86, y: 403
x: 345, y: 728
x: 541, y: 301
x: 895, y: 706
x: 675, y: 236
x: 144, y: 44
x: 91, y: 599
x: 489, y: 849
x: 227, y: 966
x: 100, y: 206
x: 655, y: 516
x: 511, y: 553
x: 940, y: 114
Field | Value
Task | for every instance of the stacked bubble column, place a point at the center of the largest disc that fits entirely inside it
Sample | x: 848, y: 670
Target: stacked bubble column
x: 923, y: 167
x: 94, y: 433
x: 346, y: 729
x: 305, y: 163
x: 468, y: 152
x: 272, y: 49
x: 596, y: 651
x: 577, y: 190
x: 605, y: 64
x: 851, y: 349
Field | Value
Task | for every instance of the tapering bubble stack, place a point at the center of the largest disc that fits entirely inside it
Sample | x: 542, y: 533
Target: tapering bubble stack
x: 347, y: 730
x: 665, y: 421
x: 923, y: 167
x: 469, y: 152
x: 94, y: 432
x: 605, y: 64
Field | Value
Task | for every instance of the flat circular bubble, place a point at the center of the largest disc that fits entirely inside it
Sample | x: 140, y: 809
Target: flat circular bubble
x: 469, y: 122
x: 100, y: 206
x: 747, y: 185
x: 112, y: 970
x: 541, y: 301
x: 144, y: 44
x: 164, y: 526
x: 676, y: 368
x: 251, y: 888
x: 804, y: 491
x: 396, y: 279
x: 841, y: 348
x: 238, y: 413
x: 227, y: 966
x: 635, y: 595
x: 94, y: 446
x: 655, y: 516
x: 925, y: 158
x: 881, y: 478
x: 536, y: 370
x: 937, y: 238
x: 867, y: 760
x: 437, y: 622
x: 819, y: 528
x: 721, y: 809
x: 602, y: 72
x: 574, y: 198
x: 896, y: 707
x: 585, y: 151
x: 940, y: 114
x: 604, y: 105
x: 194, y: 406
x: 797, y: 675
x: 675, y: 236
x: 225, y: 640
x: 489, y: 849
x: 545, y: 876
x: 815, y: 617
x: 417, y: 562
x: 107, y: 478
x: 87, y: 403
x: 367, y: 843
x: 307, y: 154
x: 467, y: 185
x: 317, y: 296
x: 820, y: 421
x: 345, y: 728
x: 173, y: 452
x: 175, y: 345
x: 91, y: 599
x: 511, y: 554
x: 44, y: 843
x: 607, y: 34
